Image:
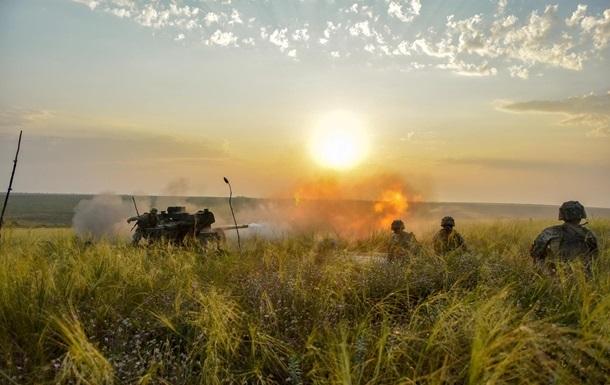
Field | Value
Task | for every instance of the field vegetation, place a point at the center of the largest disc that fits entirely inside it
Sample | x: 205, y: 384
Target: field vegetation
x: 299, y: 311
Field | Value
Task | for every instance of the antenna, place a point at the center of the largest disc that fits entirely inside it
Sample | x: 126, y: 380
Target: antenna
x: 233, y: 213
x: 10, y: 183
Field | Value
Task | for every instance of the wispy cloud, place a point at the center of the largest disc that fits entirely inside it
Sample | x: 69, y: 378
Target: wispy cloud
x: 124, y: 149
x: 15, y: 117
x: 519, y: 164
x: 477, y: 45
x: 598, y: 28
x: 591, y: 111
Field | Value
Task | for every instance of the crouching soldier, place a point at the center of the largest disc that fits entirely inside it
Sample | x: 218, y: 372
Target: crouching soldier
x: 447, y: 239
x: 144, y: 222
x: 566, y: 242
x: 402, y: 243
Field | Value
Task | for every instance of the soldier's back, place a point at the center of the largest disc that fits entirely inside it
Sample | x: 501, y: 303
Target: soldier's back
x: 565, y: 242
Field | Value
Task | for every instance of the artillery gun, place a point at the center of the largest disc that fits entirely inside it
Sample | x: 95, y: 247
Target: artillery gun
x: 178, y: 227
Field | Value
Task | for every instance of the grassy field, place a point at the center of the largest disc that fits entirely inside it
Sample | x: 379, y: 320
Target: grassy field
x: 299, y: 311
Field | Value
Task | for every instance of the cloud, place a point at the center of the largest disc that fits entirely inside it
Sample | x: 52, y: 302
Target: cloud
x: 301, y: 34
x: 540, y: 39
x: 406, y: 14
x: 151, y: 17
x: 521, y: 164
x: 469, y: 69
x: 89, y: 3
x: 120, y: 12
x: 481, y: 44
x: 211, y: 18
x: 235, y: 17
x: 577, y: 16
x: 223, y: 39
x: 15, y: 117
x: 518, y: 71
x: 501, y: 8
x: 503, y: 163
x: 278, y: 38
x: 361, y: 29
x: 592, y: 111
x: 408, y: 137
x: 123, y: 149
x: 598, y: 28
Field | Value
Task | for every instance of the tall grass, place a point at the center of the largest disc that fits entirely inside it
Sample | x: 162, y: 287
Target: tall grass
x: 292, y: 311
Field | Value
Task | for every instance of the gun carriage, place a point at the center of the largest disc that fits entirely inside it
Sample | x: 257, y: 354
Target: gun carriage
x: 177, y: 226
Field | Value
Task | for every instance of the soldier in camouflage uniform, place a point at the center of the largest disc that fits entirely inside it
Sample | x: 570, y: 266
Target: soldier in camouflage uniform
x: 566, y: 242
x: 402, y: 243
x: 144, y: 222
x: 447, y: 239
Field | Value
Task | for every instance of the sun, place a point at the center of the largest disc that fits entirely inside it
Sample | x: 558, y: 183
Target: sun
x: 339, y: 141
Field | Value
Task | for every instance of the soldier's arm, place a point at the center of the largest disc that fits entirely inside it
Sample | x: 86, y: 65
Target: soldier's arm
x: 461, y: 242
x: 415, y: 245
x: 593, y: 251
x: 591, y: 241
x: 538, y: 248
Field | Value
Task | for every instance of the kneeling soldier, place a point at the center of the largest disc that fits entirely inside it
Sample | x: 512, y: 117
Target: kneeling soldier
x: 144, y: 222
x: 566, y: 242
x: 447, y: 239
x: 402, y: 243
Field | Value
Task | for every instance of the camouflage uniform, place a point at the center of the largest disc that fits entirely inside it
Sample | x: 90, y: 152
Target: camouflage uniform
x: 566, y: 242
x: 401, y: 243
x: 144, y: 222
x: 448, y: 240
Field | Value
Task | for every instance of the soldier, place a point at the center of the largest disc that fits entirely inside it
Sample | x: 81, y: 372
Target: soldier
x: 402, y: 243
x: 144, y: 222
x: 448, y: 240
x: 566, y: 242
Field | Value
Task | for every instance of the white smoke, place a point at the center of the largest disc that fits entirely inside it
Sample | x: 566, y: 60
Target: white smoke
x: 267, y: 230
x: 103, y: 216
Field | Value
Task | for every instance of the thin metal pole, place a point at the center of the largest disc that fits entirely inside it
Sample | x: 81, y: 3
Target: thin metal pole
x: 233, y: 213
x: 135, y: 205
x: 10, y: 183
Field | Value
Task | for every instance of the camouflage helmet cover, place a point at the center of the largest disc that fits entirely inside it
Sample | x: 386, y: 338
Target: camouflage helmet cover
x: 153, y: 210
x: 397, y: 224
x: 572, y: 210
x: 447, y: 221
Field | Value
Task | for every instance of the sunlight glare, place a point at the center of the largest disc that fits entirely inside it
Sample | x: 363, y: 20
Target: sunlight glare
x: 339, y: 141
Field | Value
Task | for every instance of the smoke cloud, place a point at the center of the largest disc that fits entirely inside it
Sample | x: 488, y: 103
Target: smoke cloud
x: 178, y: 186
x: 102, y: 216
x: 332, y: 205
x: 346, y: 207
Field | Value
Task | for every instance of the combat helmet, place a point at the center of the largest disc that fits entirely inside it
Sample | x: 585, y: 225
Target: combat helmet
x: 572, y: 210
x: 447, y: 222
x: 398, y: 225
x: 153, y: 210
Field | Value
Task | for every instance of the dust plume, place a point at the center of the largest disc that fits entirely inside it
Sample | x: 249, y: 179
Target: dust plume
x: 102, y: 216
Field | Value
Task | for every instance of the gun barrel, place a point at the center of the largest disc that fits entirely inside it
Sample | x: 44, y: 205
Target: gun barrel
x: 232, y: 227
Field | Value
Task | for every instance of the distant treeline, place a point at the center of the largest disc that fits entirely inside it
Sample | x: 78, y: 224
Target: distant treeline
x: 57, y: 210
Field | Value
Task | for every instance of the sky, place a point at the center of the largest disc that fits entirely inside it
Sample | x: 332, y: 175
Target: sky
x: 476, y: 101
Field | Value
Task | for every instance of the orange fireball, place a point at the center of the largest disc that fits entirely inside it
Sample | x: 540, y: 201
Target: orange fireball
x: 392, y: 204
